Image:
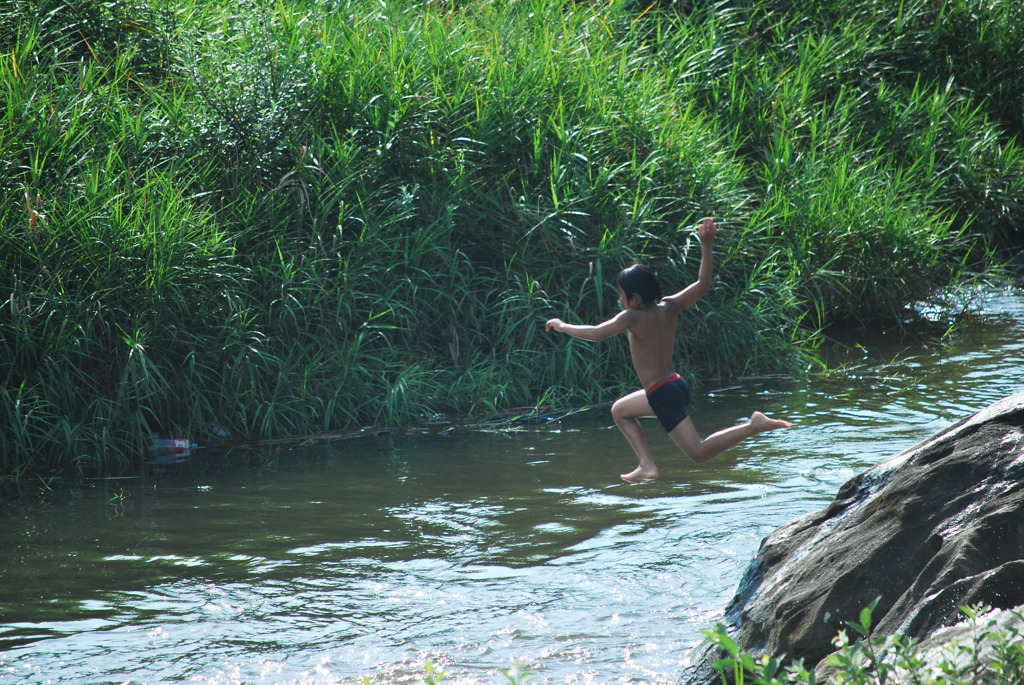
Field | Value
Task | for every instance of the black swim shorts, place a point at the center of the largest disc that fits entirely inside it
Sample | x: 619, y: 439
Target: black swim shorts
x: 669, y: 398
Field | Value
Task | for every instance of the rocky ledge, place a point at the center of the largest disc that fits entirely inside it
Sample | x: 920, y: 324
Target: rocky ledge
x: 933, y: 528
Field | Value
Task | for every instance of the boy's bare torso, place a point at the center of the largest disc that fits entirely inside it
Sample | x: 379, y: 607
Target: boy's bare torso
x: 652, y: 334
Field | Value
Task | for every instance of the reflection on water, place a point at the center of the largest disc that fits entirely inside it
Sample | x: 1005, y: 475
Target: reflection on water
x: 476, y: 550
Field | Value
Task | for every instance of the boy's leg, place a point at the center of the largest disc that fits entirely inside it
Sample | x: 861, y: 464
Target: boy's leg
x: 626, y: 411
x: 701, y: 450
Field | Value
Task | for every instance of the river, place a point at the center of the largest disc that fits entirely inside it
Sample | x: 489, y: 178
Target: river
x: 476, y: 549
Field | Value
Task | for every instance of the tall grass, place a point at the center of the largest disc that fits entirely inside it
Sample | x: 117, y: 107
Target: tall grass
x: 309, y: 216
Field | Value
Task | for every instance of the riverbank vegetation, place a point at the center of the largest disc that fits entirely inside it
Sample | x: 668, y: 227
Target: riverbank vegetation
x: 290, y: 217
x: 984, y: 651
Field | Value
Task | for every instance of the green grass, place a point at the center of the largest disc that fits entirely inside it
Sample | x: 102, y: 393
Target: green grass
x: 311, y: 215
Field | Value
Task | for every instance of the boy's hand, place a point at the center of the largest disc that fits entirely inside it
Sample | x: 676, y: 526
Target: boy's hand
x: 708, y: 229
x: 552, y: 323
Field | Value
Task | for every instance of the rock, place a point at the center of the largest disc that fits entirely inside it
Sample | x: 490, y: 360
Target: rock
x: 949, y: 644
x: 933, y: 528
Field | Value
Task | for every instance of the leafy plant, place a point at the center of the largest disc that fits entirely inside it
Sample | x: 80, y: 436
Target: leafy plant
x: 990, y: 655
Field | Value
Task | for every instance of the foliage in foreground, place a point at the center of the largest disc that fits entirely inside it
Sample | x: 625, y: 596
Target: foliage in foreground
x: 317, y: 215
x: 990, y: 656
x: 433, y: 676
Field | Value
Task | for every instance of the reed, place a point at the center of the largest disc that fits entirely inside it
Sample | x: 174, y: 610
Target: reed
x: 309, y: 216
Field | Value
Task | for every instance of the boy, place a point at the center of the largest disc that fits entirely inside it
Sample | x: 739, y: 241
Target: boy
x: 650, y: 321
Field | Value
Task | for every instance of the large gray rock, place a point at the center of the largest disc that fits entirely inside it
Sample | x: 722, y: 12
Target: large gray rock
x: 933, y: 528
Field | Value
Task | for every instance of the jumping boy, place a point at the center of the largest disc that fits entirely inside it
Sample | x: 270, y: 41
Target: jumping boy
x: 650, y: 321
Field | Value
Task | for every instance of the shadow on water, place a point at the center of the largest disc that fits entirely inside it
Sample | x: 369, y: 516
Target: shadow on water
x: 474, y: 548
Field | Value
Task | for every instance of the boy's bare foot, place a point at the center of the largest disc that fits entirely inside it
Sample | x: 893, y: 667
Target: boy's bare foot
x: 762, y: 423
x: 638, y: 475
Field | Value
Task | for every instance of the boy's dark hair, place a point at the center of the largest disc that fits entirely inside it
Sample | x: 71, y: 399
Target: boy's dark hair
x: 640, y: 280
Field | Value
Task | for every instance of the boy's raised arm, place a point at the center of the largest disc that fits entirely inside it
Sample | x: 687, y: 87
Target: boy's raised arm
x: 693, y: 292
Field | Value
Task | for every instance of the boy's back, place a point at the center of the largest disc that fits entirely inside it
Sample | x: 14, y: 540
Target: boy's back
x: 652, y: 333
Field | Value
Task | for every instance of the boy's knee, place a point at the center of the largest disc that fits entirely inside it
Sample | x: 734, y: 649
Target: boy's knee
x: 622, y: 418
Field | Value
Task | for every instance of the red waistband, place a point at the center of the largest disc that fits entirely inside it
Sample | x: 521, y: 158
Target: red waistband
x: 671, y: 379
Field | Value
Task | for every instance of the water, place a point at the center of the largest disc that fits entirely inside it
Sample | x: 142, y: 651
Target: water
x: 477, y: 551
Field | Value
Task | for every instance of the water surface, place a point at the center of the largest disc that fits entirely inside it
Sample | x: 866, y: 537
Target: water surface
x: 478, y: 549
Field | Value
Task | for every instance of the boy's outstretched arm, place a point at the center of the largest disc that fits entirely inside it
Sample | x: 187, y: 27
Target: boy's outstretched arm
x: 612, y: 326
x: 689, y: 295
